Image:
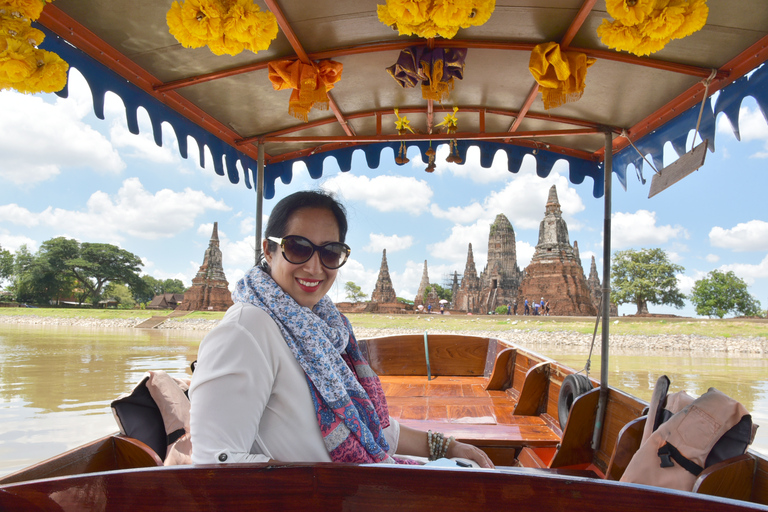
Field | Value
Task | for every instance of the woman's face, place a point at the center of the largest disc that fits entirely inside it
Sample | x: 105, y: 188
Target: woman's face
x: 306, y: 282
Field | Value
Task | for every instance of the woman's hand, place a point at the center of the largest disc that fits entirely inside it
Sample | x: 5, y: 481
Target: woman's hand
x: 467, y: 451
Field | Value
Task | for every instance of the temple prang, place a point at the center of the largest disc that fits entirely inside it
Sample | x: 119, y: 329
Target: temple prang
x: 210, y: 289
x: 384, y: 291
x: 555, y: 274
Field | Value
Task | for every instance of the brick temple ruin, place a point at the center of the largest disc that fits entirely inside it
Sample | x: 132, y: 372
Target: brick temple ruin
x: 210, y: 289
x: 554, y: 273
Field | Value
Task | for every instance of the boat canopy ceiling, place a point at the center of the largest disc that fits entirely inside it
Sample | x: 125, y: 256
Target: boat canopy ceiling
x: 228, y: 104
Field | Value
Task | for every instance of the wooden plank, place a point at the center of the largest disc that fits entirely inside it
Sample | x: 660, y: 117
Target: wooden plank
x: 333, y: 487
x: 503, y: 370
x: 731, y: 478
x: 95, y: 456
x: 530, y: 431
x: 131, y: 453
x: 627, y: 444
x: 534, y: 392
x: 575, y: 447
x: 448, y: 355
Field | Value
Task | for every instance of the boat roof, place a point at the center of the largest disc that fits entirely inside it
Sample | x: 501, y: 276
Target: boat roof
x: 228, y: 104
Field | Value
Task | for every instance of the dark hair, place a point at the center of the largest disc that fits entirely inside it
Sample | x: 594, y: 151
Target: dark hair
x: 277, y: 225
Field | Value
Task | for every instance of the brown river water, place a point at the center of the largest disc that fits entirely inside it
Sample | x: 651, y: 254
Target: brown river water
x: 56, y: 383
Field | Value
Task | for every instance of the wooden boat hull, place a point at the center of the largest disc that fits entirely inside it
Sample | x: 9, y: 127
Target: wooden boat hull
x: 348, y: 487
x: 487, y: 392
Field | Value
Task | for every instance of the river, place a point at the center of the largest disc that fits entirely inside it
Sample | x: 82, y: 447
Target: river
x: 56, y: 383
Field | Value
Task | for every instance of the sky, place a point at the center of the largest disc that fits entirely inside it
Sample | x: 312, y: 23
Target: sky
x: 64, y: 172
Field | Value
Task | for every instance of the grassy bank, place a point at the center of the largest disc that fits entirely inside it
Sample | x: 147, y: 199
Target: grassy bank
x: 620, y: 326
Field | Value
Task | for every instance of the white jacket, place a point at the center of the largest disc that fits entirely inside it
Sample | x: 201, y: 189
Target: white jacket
x: 250, y: 398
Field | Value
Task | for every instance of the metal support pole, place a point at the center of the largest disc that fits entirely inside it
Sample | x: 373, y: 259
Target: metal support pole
x: 259, y: 199
x: 606, y: 302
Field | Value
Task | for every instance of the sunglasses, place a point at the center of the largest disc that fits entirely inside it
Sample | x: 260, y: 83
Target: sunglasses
x: 297, y: 250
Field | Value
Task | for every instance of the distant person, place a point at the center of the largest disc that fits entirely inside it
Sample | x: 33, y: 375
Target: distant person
x: 514, y: 306
x: 429, y: 308
x: 527, y: 309
x: 536, y: 309
x: 442, y: 309
x: 546, y: 307
x: 509, y: 309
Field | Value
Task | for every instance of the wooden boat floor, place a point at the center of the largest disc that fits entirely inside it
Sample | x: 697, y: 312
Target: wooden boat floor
x: 463, y: 408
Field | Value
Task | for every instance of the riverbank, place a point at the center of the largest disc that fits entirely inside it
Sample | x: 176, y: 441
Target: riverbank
x: 524, y: 331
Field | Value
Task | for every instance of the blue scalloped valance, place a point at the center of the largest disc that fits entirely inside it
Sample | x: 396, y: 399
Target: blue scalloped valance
x: 225, y: 157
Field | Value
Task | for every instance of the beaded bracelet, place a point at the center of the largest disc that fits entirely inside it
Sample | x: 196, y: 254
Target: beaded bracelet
x: 438, y: 444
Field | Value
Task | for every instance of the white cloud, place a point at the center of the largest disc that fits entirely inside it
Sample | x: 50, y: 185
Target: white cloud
x: 752, y: 125
x: 454, y: 248
x: 383, y: 193
x: 32, y: 151
x: 685, y: 283
x: 133, y: 211
x: 712, y: 258
x: 524, y: 253
x: 748, y: 272
x: 459, y: 214
x: 248, y: 225
x: 471, y: 168
x: 392, y: 243
x: 745, y: 236
x: 354, y: 271
x: 639, y: 229
x: 13, y: 242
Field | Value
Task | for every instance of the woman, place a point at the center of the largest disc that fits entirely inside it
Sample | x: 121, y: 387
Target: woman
x: 281, y: 376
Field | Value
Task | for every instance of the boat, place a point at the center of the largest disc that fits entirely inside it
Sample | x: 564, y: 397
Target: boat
x: 489, y: 392
x: 500, y: 397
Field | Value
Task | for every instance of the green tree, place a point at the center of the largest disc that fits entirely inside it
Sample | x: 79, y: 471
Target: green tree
x: 354, y: 292
x: 173, y: 286
x: 6, y: 263
x: 99, y: 264
x: 645, y: 276
x: 89, y: 267
x: 721, y: 293
x: 121, y: 293
x: 442, y: 293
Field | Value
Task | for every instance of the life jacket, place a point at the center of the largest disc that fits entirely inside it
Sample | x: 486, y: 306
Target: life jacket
x: 687, y: 435
x: 156, y: 413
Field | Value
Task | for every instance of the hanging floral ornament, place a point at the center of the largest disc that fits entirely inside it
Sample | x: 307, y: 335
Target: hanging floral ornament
x: 642, y: 27
x: 225, y: 26
x: 23, y: 66
x: 431, y: 166
x: 435, y: 68
x: 561, y: 75
x: 402, y: 125
x: 310, y: 83
x: 432, y: 18
x: 451, y: 124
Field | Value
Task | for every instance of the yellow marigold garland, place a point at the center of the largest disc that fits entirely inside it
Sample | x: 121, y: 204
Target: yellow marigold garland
x: 23, y: 66
x: 643, y: 27
x: 561, y: 75
x: 310, y: 83
x: 225, y: 26
x: 432, y: 18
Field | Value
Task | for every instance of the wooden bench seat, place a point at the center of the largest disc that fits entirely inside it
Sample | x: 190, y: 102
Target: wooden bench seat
x: 526, y: 431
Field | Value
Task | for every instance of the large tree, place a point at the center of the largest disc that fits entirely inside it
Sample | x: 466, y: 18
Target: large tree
x: 721, y: 293
x: 645, y: 276
x: 354, y: 292
x: 90, y: 265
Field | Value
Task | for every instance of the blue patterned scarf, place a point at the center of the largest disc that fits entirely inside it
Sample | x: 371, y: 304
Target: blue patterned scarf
x: 349, y: 401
